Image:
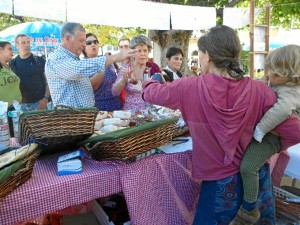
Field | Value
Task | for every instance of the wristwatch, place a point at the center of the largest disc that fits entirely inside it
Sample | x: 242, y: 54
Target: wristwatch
x: 47, y: 98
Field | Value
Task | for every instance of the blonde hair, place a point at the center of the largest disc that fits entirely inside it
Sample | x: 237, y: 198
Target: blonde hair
x: 285, y: 62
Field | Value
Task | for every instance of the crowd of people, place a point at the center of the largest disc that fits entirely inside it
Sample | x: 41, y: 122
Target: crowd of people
x: 222, y: 108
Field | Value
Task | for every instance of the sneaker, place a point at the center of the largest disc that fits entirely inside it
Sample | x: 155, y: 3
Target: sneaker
x: 244, y: 217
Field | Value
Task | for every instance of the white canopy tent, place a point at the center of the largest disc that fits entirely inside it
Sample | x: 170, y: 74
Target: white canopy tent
x: 119, y: 13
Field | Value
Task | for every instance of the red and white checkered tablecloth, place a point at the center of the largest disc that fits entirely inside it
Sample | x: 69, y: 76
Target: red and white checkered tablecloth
x: 278, y: 163
x: 160, y: 190
x: 46, y: 192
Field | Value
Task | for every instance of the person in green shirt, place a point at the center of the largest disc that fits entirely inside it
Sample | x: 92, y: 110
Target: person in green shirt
x: 9, y: 81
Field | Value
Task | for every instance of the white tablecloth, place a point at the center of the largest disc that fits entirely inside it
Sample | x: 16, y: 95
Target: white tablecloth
x: 177, y: 146
x: 293, y: 167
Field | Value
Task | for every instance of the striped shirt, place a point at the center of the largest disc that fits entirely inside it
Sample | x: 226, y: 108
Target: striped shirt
x: 68, y: 78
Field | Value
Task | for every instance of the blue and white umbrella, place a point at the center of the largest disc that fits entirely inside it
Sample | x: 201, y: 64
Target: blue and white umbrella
x: 44, y: 36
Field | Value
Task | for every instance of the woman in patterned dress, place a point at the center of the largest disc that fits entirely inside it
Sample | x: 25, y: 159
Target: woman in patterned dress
x: 134, y: 72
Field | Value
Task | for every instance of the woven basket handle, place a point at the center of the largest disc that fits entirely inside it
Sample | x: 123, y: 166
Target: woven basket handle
x: 56, y: 108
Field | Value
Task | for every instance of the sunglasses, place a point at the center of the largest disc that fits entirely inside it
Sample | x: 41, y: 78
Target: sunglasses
x: 89, y: 42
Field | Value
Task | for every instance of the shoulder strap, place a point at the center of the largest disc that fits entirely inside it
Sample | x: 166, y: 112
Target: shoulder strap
x: 179, y: 74
x: 168, y: 75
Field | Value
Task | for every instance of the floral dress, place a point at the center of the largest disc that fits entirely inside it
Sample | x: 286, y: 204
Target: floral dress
x: 133, y: 96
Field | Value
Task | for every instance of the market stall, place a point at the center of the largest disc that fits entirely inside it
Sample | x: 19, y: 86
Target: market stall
x: 46, y: 192
x: 161, y: 184
x: 174, y: 190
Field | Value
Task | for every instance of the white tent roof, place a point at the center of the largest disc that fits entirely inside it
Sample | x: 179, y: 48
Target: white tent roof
x: 119, y: 13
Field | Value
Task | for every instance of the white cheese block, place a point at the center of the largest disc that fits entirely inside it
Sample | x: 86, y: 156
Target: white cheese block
x: 124, y: 123
x: 108, y: 128
x: 98, y: 124
x: 111, y: 121
x: 101, y: 115
x: 122, y: 114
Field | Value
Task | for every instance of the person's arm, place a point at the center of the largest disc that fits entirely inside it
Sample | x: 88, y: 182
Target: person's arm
x: 167, y: 94
x: 121, y: 81
x: 277, y: 114
x: 97, y: 80
x: 47, y: 92
x: 119, y: 57
x: 44, y: 101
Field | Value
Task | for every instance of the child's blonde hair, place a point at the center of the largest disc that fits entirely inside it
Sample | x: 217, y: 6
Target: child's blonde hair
x: 285, y: 62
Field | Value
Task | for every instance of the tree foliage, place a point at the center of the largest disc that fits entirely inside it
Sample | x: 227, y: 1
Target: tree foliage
x: 110, y: 34
x: 284, y: 13
x: 7, y: 20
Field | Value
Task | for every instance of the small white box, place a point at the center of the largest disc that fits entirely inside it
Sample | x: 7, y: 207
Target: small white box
x: 70, y: 163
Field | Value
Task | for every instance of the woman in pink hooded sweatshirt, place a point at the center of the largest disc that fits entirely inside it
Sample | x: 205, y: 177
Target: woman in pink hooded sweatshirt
x: 221, y: 108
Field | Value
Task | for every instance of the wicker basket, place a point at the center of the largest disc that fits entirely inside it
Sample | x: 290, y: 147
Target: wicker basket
x: 59, y: 129
x: 289, y: 211
x: 127, y: 143
x: 179, y: 131
x: 21, y: 172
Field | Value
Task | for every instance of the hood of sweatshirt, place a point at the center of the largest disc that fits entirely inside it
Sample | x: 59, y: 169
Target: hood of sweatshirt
x: 227, y: 105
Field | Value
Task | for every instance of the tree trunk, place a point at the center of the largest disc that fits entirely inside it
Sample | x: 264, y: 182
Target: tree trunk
x: 172, y: 38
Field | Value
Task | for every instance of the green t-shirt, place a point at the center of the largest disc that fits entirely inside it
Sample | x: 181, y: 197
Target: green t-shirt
x: 9, y: 86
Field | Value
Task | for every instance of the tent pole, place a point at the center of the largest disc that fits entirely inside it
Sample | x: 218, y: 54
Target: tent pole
x: 267, y: 34
x: 251, y: 65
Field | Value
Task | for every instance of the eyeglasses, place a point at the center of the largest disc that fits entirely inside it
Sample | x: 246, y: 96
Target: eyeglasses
x: 89, y: 42
x: 124, y: 46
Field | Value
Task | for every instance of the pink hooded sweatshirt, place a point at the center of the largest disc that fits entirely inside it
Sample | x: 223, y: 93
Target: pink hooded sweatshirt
x: 221, y: 115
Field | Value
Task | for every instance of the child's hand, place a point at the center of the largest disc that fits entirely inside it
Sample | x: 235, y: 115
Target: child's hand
x: 258, y: 134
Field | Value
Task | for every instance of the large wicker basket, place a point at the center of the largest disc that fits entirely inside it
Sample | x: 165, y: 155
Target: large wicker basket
x: 129, y: 142
x: 57, y: 130
x: 17, y: 173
